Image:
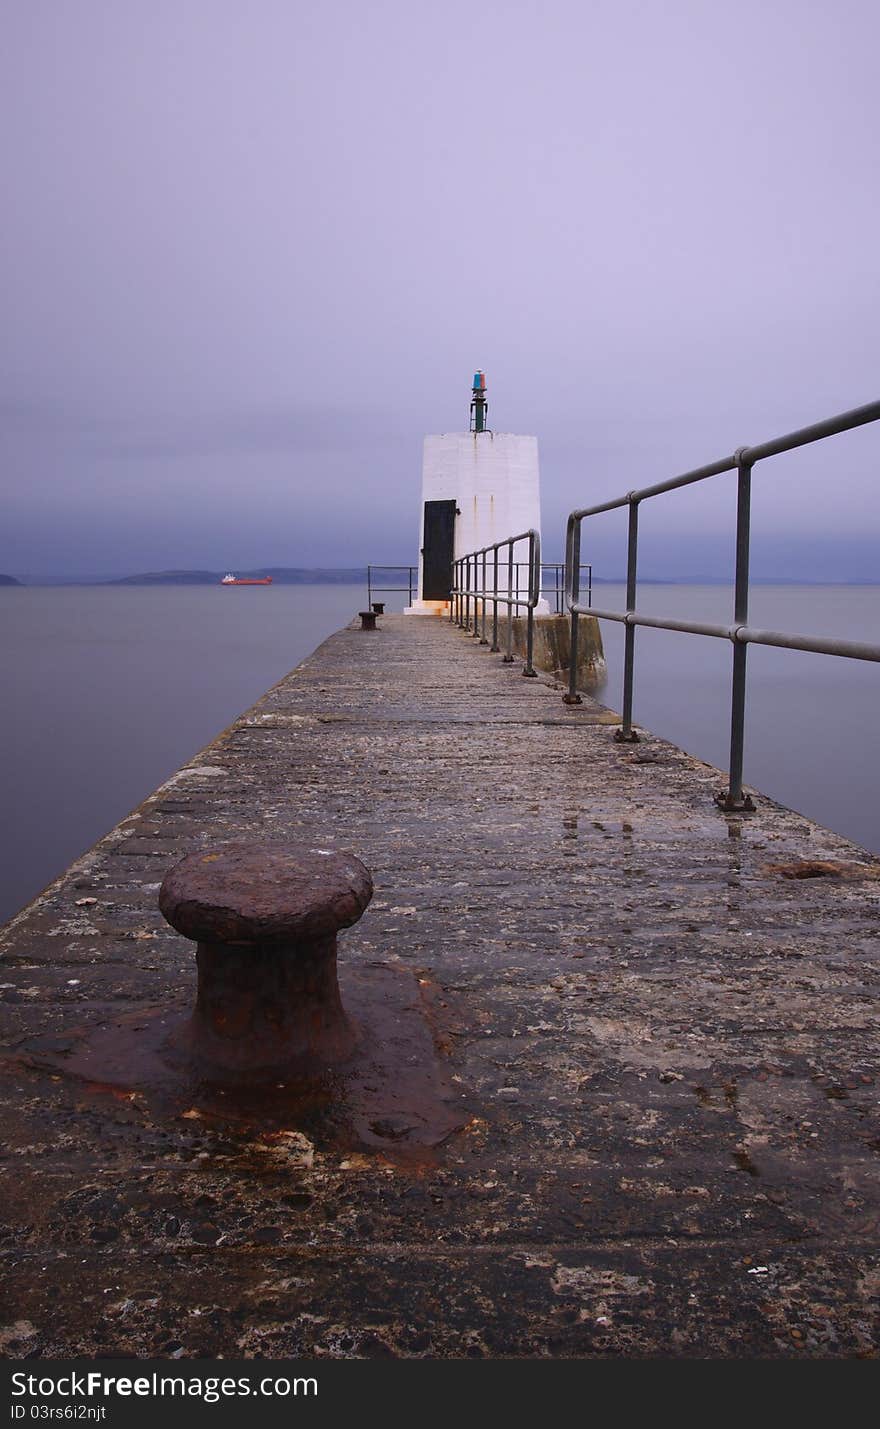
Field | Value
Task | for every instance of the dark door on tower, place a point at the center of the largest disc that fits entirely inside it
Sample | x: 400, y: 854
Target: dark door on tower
x: 437, y: 550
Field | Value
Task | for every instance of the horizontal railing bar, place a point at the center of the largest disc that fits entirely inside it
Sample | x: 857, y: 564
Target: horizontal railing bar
x: 832, y: 426
x: 851, y: 649
x: 497, y: 546
x: 744, y: 634
x: 558, y: 566
x: 634, y: 617
x: 701, y: 473
x: 489, y: 597
x: 518, y: 565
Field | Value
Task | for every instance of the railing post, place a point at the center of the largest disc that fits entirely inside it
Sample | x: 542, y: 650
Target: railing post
x: 463, y: 603
x: 572, y: 594
x: 494, y: 647
x: 483, y: 640
x: 732, y: 799
x: 626, y: 734
x: 369, y: 586
x: 467, y: 597
x: 534, y: 596
x: 508, y: 658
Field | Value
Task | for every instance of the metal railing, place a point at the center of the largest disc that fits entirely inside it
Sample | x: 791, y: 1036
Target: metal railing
x: 552, y: 588
x: 553, y: 584
x: 740, y: 633
x: 372, y: 588
x: 472, y: 592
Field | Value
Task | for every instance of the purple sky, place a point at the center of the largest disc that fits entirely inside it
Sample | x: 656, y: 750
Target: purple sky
x: 253, y: 252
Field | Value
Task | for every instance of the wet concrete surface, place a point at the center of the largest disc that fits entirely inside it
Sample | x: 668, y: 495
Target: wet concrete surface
x: 625, y: 1101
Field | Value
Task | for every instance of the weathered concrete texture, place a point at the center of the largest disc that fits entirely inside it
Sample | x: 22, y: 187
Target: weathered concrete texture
x: 552, y: 647
x: 656, y: 1050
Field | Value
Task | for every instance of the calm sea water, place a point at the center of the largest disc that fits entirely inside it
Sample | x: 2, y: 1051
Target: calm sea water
x: 812, y: 727
x: 109, y: 690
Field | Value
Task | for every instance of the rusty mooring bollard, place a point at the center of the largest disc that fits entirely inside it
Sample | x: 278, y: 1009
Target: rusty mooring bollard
x: 265, y: 917
x: 379, y: 607
x: 368, y: 619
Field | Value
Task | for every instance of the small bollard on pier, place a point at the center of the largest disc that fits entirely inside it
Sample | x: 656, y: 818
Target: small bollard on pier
x: 368, y: 619
x: 265, y: 918
x: 378, y: 607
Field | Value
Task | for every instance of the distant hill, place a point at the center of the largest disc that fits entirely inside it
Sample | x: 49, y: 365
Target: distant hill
x: 281, y: 575
x: 9, y: 580
x: 168, y: 578
x: 293, y: 575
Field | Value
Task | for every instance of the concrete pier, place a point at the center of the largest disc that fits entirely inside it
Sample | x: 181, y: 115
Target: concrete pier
x: 616, y: 1088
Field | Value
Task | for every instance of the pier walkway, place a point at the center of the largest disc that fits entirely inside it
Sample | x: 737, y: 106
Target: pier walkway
x: 619, y: 1095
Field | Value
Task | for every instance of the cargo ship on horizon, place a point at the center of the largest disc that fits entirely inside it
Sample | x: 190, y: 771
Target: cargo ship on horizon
x: 230, y: 579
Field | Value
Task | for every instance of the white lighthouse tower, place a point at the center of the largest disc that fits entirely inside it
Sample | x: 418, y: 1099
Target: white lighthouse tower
x: 478, y: 487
